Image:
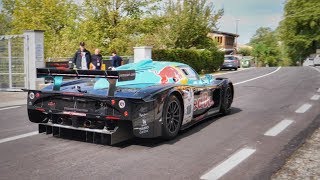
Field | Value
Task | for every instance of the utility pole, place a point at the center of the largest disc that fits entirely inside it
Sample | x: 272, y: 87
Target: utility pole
x: 236, y: 38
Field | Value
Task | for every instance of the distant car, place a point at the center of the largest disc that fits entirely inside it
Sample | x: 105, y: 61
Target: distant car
x: 230, y: 62
x: 316, y: 61
x: 146, y: 99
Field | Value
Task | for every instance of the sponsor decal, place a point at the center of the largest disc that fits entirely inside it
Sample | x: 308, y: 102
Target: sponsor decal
x: 204, y: 101
x: 122, y: 104
x: 73, y: 113
x: 168, y: 73
x: 75, y: 109
x: 144, y: 126
x: 188, y: 100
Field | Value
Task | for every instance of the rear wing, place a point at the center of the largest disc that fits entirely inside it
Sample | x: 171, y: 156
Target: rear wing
x: 111, y: 75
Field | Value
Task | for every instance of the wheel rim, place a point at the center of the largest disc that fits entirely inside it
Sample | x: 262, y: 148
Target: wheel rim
x: 173, y: 116
x: 228, y: 98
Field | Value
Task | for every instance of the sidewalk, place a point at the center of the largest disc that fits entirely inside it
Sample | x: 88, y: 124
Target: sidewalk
x: 12, y: 99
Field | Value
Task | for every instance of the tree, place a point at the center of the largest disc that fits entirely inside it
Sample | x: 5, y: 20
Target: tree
x: 299, y: 30
x: 114, y: 24
x: 6, y: 8
x: 56, y: 17
x: 266, y: 47
x: 245, y: 51
x: 189, y: 22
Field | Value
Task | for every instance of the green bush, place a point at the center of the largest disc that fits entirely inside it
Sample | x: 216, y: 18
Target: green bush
x: 205, y: 61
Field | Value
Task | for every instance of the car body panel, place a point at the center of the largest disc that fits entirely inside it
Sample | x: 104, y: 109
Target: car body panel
x: 136, y: 104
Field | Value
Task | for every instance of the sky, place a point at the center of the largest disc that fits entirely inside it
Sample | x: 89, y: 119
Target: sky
x: 251, y: 14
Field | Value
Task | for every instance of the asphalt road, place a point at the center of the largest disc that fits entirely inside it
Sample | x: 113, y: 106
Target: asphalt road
x: 229, y: 147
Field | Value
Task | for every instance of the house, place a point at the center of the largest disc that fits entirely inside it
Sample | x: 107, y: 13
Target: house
x: 227, y: 41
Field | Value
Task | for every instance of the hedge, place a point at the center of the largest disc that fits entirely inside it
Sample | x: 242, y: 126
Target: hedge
x: 203, y: 61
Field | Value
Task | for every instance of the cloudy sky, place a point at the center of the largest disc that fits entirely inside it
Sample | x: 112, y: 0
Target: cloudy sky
x: 251, y: 14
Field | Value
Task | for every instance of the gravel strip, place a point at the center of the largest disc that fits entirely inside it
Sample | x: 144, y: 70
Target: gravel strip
x: 304, y: 163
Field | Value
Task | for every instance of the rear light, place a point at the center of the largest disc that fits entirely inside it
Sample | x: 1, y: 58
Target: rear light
x: 37, y: 95
x: 31, y: 95
x: 126, y: 113
x: 115, y: 118
x: 113, y: 102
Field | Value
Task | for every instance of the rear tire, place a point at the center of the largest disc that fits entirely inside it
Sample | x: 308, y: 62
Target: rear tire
x: 227, y: 99
x: 171, y: 117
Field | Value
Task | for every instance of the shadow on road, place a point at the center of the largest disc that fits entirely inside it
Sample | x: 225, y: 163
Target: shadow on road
x: 153, y: 142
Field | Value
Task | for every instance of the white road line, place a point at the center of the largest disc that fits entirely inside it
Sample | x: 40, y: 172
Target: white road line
x: 258, y: 77
x: 9, y: 108
x: 228, y: 164
x: 315, y: 97
x: 275, y: 130
x: 303, y: 108
x: 315, y: 68
x: 18, y: 137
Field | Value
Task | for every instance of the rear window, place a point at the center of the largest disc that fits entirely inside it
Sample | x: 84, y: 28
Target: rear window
x: 229, y: 58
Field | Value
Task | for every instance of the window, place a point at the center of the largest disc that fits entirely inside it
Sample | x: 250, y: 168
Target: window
x: 189, y: 72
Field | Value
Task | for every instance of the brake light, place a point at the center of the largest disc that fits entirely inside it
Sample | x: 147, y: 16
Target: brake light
x: 126, y: 113
x: 113, y: 102
x: 37, y: 95
x: 112, y: 118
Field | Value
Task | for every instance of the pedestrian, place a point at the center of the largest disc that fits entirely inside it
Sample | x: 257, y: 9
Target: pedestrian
x: 116, y: 60
x: 82, y: 58
x: 96, y: 60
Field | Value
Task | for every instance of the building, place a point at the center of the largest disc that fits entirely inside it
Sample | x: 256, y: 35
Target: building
x: 227, y: 41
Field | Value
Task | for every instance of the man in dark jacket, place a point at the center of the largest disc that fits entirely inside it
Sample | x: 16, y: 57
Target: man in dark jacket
x: 96, y: 60
x: 82, y: 58
x: 116, y: 60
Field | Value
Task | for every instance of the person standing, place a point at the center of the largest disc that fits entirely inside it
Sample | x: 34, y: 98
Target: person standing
x: 82, y: 58
x: 116, y: 60
x: 96, y: 60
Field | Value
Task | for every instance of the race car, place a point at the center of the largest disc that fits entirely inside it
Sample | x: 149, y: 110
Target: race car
x: 147, y: 99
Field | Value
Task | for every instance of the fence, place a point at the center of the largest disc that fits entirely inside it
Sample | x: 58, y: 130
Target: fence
x: 12, y: 68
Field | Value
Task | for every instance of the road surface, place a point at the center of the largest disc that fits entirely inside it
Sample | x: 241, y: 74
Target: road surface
x: 273, y: 111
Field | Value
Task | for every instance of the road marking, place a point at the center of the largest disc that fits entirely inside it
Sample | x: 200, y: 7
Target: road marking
x: 303, y: 108
x: 315, y: 97
x: 9, y: 108
x: 228, y: 164
x: 315, y: 68
x: 18, y: 137
x: 278, y: 128
x: 258, y: 77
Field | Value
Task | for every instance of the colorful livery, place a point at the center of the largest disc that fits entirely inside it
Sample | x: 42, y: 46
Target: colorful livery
x: 147, y: 99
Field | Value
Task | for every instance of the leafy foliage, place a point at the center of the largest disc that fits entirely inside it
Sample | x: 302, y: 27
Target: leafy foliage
x: 245, y: 51
x: 299, y: 30
x: 200, y: 60
x: 266, y: 47
x: 112, y: 24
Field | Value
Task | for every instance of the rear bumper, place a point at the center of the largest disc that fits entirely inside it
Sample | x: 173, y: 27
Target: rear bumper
x: 119, y: 134
x: 228, y: 66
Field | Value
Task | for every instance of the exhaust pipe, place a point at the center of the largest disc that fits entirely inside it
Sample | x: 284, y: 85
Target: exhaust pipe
x: 87, y: 124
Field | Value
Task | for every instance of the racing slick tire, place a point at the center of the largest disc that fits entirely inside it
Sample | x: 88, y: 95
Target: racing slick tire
x: 172, y: 117
x: 227, y: 99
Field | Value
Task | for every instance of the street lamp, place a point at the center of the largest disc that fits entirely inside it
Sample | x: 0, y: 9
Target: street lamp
x: 236, y: 40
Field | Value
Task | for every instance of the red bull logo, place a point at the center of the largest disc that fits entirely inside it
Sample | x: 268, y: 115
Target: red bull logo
x: 169, y: 73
